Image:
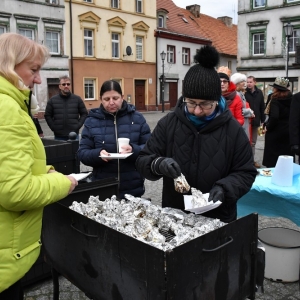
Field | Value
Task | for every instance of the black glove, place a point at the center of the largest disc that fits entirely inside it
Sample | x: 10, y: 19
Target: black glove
x: 295, y: 149
x: 216, y: 194
x: 168, y: 167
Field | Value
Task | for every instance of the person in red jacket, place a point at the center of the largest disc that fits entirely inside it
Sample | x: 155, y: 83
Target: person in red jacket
x: 233, y: 100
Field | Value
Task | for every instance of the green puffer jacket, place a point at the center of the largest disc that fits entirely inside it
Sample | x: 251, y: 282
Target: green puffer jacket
x: 25, y: 186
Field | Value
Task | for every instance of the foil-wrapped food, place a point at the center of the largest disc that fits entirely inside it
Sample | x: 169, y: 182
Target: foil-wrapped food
x: 198, y: 199
x: 181, y: 184
x: 164, y: 228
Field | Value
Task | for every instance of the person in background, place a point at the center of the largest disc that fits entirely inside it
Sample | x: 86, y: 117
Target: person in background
x: 27, y: 184
x: 240, y: 81
x: 115, y: 118
x: 201, y: 140
x: 277, y: 141
x: 255, y: 98
x: 294, y: 125
x: 229, y: 93
x: 65, y: 112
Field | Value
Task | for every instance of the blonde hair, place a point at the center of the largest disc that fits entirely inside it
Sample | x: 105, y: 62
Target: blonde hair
x: 15, y: 49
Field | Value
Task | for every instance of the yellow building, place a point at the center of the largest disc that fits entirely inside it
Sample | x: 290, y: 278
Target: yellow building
x: 112, y: 39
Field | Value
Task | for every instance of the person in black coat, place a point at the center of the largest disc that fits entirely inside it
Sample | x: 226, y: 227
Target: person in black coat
x: 277, y: 141
x: 294, y: 124
x: 202, y: 140
x: 255, y: 98
x: 114, y: 119
x: 65, y: 112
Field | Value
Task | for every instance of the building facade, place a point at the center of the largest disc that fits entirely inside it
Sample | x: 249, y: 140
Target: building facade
x: 44, y: 22
x: 262, y: 44
x: 180, y: 33
x: 112, y: 39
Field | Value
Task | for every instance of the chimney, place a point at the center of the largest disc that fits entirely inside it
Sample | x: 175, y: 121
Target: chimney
x: 194, y: 9
x: 226, y: 20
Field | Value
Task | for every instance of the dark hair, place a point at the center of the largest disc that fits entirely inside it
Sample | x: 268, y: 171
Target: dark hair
x: 252, y: 77
x: 110, y: 85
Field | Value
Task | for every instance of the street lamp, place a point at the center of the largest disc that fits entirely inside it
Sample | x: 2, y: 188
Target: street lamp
x: 163, y: 56
x: 288, y: 30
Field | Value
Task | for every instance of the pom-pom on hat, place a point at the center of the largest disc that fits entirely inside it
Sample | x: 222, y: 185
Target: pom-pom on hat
x: 238, y: 77
x: 202, y: 80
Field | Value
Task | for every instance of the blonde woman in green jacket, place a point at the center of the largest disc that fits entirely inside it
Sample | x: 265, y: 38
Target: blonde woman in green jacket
x: 27, y: 184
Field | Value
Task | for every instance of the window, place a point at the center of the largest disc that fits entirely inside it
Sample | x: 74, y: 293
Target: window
x: 114, y: 3
x: 294, y: 40
x: 171, y: 54
x: 258, y: 43
x: 2, y: 29
x: 88, y: 42
x: 27, y: 32
x: 161, y: 21
x: 259, y: 3
x: 53, y: 41
x: 115, y: 39
x: 53, y: 1
x: 89, y: 89
x: 139, y: 48
x: 289, y: 1
x: 229, y: 65
x: 185, y: 56
x: 89, y: 1
x: 139, y: 6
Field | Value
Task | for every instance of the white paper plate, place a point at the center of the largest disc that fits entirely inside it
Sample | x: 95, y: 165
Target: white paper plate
x: 80, y: 176
x: 264, y: 174
x: 199, y: 210
x: 116, y: 156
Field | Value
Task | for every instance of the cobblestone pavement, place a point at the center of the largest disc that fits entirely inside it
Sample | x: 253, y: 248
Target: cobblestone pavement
x: 273, y: 290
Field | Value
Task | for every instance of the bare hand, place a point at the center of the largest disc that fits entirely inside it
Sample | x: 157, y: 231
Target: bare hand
x: 105, y: 153
x: 74, y: 183
x: 125, y: 149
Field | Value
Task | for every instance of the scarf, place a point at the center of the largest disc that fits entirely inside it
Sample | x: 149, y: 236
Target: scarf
x: 200, y: 122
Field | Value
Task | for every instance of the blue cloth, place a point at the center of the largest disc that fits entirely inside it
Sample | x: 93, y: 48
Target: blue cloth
x: 272, y: 200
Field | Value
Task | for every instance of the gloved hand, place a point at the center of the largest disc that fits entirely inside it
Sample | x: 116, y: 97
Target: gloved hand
x: 169, y: 167
x: 216, y: 194
x: 295, y: 149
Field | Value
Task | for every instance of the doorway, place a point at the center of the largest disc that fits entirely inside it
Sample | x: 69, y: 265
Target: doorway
x: 139, y: 86
x: 173, y: 93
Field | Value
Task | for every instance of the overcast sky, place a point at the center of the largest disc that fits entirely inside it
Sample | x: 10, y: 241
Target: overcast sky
x: 213, y: 8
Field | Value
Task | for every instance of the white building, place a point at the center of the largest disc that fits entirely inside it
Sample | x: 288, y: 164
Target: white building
x: 262, y: 41
x: 44, y: 22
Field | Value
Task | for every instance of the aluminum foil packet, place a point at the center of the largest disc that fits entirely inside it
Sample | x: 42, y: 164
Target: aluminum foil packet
x: 163, y: 228
x: 181, y: 185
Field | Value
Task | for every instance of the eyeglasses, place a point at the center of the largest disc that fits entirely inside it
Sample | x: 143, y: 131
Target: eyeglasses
x: 224, y: 81
x: 203, y: 105
x: 64, y: 84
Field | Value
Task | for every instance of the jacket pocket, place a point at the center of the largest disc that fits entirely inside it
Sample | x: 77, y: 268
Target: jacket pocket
x: 20, y: 254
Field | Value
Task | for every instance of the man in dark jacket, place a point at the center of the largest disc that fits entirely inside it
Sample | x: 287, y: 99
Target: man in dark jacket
x: 294, y: 124
x: 203, y: 141
x: 65, y: 112
x: 255, y: 98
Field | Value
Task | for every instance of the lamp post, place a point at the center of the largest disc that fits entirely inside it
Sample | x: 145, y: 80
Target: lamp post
x: 163, y: 56
x: 288, y: 30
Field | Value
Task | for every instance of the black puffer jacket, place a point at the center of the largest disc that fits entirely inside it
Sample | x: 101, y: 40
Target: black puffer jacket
x: 64, y: 114
x: 220, y: 153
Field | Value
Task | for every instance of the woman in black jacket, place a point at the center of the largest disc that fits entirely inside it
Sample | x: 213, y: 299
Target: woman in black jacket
x: 203, y: 141
x: 277, y: 140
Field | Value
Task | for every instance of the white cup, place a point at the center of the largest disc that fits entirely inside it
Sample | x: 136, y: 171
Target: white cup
x: 122, y: 142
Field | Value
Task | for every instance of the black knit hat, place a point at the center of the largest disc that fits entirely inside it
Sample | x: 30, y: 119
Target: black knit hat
x: 202, y: 80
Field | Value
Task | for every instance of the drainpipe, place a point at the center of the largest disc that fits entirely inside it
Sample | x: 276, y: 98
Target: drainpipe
x: 156, y: 71
x: 71, y: 45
